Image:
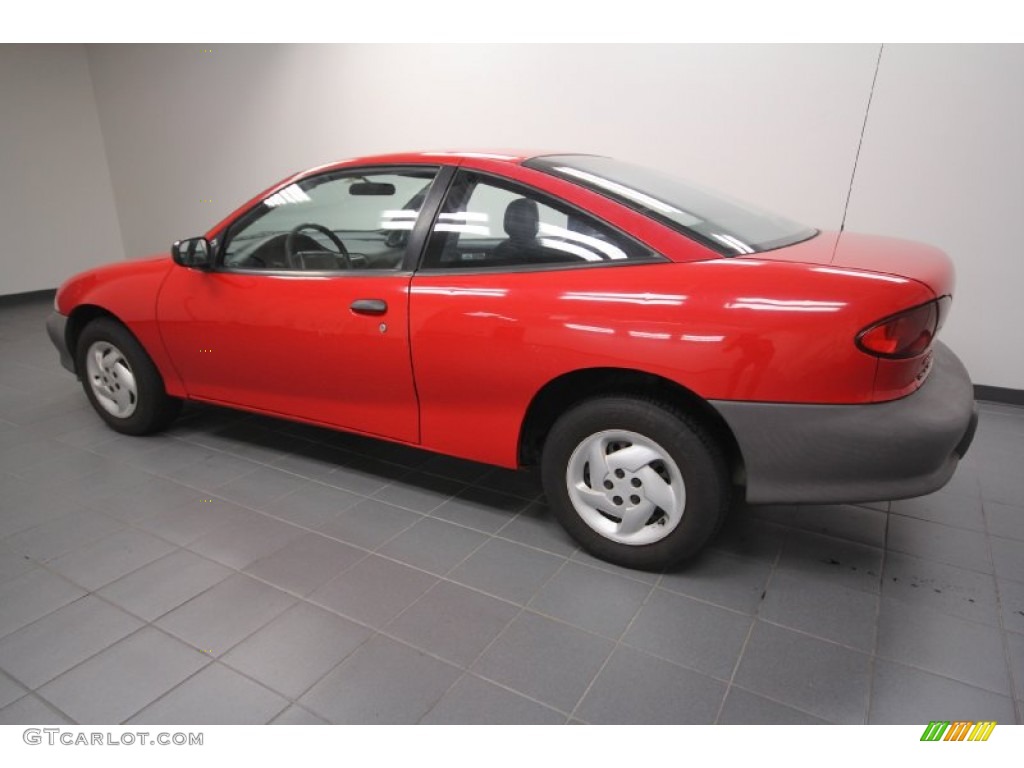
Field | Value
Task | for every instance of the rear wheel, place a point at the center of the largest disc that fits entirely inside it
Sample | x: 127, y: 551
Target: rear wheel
x: 636, y: 483
x: 121, y: 381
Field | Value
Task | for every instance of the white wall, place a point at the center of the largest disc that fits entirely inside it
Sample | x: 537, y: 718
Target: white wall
x: 57, y: 213
x: 777, y: 125
x: 943, y: 162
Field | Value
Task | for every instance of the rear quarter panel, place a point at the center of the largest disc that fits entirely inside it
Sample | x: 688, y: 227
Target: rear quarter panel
x: 483, y: 345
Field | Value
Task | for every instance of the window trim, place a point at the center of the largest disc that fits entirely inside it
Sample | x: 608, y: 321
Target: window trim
x: 543, y: 197
x: 418, y: 236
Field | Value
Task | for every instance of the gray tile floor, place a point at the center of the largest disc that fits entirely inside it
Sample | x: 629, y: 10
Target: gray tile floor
x: 244, y: 570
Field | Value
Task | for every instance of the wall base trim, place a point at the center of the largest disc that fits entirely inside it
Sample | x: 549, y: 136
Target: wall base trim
x: 12, y: 299
x: 999, y: 394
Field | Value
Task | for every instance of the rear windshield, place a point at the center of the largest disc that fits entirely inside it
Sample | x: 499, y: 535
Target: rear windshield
x: 728, y: 226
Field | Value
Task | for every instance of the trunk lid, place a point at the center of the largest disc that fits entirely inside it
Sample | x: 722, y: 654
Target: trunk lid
x: 872, y: 254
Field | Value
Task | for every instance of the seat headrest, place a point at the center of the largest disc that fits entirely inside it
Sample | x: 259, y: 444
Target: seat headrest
x: 522, y: 219
x: 582, y: 226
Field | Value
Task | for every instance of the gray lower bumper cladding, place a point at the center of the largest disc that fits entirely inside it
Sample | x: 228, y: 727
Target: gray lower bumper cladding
x: 849, y: 453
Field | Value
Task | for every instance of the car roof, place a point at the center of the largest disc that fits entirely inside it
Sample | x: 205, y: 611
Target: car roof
x: 448, y: 156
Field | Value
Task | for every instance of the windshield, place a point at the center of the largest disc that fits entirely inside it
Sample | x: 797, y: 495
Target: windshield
x: 728, y: 226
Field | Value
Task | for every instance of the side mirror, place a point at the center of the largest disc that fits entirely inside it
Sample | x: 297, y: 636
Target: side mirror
x: 195, y: 252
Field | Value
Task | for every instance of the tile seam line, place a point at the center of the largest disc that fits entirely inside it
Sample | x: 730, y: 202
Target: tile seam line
x: 756, y: 617
x: 873, y: 660
x: 618, y: 644
x: 1004, y: 633
x: 468, y: 669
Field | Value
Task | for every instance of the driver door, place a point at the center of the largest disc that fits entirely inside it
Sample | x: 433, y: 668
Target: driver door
x: 306, y: 313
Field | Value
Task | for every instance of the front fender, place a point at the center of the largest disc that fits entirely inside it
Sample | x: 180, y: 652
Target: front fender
x: 128, y: 291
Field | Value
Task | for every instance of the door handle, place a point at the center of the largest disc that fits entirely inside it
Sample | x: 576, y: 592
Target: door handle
x: 369, y: 306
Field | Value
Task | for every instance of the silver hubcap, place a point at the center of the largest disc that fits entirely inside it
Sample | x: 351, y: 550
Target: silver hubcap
x: 626, y: 487
x: 111, y: 379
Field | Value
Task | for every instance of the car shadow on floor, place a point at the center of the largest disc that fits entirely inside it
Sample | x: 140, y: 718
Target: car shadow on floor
x: 423, y: 482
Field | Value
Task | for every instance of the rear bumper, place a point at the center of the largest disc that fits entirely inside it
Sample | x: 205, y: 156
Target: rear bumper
x: 849, y: 453
x: 56, y: 325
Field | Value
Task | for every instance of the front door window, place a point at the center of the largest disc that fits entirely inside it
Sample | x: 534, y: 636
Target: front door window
x: 333, y: 222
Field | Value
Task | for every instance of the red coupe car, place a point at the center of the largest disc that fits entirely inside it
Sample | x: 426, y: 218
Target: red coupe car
x: 656, y: 348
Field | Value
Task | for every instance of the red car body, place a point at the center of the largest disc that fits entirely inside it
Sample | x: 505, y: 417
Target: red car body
x: 763, y: 345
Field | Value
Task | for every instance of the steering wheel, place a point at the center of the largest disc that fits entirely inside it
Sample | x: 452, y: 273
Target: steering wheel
x: 396, y: 238
x: 289, y: 244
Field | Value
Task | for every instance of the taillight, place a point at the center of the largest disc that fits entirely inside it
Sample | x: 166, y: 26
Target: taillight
x: 907, y: 334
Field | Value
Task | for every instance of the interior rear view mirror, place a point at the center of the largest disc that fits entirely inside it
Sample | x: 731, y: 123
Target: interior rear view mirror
x: 372, y: 188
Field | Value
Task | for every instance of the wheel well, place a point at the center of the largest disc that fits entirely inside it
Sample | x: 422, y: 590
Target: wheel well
x: 80, y: 317
x: 561, y: 394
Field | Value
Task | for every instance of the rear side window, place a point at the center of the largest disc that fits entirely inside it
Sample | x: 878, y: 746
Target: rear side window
x: 728, y: 226
x: 486, y: 223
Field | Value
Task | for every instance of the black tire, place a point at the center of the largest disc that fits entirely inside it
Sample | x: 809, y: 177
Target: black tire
x: 699, y: 464
x: 153, y: 409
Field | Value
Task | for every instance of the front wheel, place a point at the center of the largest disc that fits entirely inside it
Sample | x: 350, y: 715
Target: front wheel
x: 636, y: 483
x: 121, y: 381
